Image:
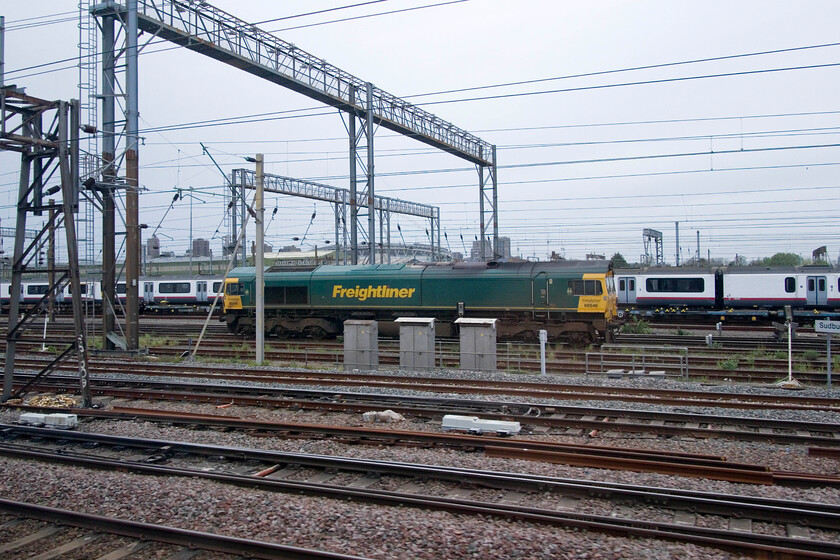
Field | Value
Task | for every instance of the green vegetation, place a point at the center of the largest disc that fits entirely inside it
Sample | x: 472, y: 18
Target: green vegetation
x: 636, y: 326
x: 681, y: 332
x: 152, y: 341
x: 810, y: 355
x: 779, y: 259
x: 729, y: 364
x: 619, y: 261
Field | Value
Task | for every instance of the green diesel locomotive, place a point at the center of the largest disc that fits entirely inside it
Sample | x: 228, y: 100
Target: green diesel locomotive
x: 572, y: 300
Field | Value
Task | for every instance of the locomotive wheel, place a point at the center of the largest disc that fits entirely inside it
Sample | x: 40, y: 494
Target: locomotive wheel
x: 281, y: 332
x: 316, y: 333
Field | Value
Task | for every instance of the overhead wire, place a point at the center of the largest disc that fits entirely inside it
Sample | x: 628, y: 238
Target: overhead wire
x: 636, y: 83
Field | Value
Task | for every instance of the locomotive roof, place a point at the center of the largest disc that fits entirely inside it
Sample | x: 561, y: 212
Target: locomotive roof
x: 348, y: 270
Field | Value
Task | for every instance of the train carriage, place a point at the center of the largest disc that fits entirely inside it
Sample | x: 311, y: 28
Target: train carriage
x: 571, y: 300
x: 668, y: 288
x: 808, y: 289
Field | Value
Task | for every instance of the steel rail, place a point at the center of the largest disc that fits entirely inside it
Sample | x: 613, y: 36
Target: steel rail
x: 583, y: 418
x: 171, y: 535
x: 730, y: 540
x: 819, y: 514
x: 447, y: 384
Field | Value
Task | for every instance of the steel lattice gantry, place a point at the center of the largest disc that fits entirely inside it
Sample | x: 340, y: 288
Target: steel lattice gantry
x: 341, y: 199
x: 210, y: 31
x: 45, y: 133
x: 652, y: 236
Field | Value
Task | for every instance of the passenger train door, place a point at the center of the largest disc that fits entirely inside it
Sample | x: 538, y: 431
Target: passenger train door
x: 149, y: 292
x: 626, y: 289
x: 816, y: 290
x: 201, y: 291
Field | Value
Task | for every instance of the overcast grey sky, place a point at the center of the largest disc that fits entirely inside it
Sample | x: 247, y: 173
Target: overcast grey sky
x: 743, y: 149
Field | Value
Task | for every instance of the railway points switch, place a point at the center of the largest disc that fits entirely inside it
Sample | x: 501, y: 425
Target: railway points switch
x: 475, y: 425
x: 61, y: 421
x: 32, y: 418
x: 57, y: 420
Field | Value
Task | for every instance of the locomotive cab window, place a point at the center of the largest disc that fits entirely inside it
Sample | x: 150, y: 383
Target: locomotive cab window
x: 790, y: 284
x: 174, y: 287
x: 233, y: 289
x: 586, y: 287
x: 685, y: 285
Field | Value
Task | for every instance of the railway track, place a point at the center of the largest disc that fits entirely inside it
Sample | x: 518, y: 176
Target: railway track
x: 523, y: 388
x: 581, y: 455
x: 810, y: 529
x: 569, y: 420
x: 715, y: 365
x: 34, y: 531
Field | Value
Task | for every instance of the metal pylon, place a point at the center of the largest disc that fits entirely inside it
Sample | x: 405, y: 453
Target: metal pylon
x: 488, y: 204
x: 362, y: 177
x: 46, y: 135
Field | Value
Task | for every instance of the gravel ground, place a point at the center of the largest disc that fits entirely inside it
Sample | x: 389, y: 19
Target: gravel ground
x: 386, y: 532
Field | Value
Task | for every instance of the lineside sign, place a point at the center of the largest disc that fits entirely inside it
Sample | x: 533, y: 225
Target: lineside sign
x: 826, y: 326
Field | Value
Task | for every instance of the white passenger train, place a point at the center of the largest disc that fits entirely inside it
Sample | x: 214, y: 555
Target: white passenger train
x: 156, y: 293
x: 815, y: 289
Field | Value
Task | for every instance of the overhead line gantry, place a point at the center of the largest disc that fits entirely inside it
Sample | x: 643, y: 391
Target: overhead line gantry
x: 340, y: 199
x: 198, y: 26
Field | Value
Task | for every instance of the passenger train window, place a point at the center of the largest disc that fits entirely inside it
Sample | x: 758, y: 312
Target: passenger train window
x: 821, y: 283
x: 684, y: 285
x: 790, y: 284
x: 216, y: 287
x: 121, y: 288
x: 621, y: 285
x: 82, y: 289
x: 585, y: 287
x: 174, y: 287
x: 632, y: 284
x: 37, y: 289
x: 810, y: 284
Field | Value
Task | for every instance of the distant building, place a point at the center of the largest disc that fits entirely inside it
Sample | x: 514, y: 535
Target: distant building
x: 266, y: 248
x: 475, y: 251
x: 503, y: 249
x: 153, y: 247
x: 296, y: 258
x: 200, y: 248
